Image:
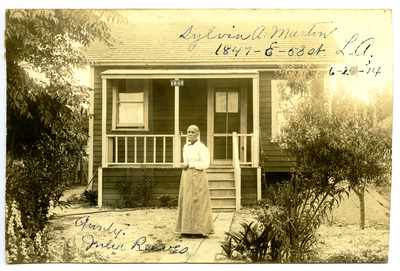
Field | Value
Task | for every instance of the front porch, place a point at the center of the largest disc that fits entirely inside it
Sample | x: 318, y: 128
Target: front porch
x: 145, y: 114
x: 157, y: 152
x: 166, y: 150
x: 227, y: 194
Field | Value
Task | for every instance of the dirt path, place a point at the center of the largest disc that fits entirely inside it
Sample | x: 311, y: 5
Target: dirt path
x: 117, y: 231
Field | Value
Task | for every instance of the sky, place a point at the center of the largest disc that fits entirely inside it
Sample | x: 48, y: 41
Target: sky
x: 366, y: 24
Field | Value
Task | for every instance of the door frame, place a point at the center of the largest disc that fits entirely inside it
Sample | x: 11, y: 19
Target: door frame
x: 224, y: 83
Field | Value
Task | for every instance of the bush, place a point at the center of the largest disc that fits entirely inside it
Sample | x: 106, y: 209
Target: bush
x: 37, y: 183
x: 135, y: 191
x: 251, y: 244
x: 44, y: 247
x: 165, y: 200
x: 90, y: 197
x: 294, y: 213
x: 20, y: 247
x: 365, y: 256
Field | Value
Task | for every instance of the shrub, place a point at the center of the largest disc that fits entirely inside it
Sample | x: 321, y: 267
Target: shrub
x: 90, y: 197
x: 37, y: 183
x: 252, y: 243
x: 293, y: 214
x: 20, y: 247
x: 135, y: 191
x: 165, y: 200
x: 365, y: 256
x: 44, y: 247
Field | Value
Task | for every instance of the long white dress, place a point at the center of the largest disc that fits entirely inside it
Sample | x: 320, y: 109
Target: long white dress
x: 194, y: 203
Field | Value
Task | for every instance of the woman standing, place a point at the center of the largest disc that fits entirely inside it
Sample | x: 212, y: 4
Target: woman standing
x: 194, y: 203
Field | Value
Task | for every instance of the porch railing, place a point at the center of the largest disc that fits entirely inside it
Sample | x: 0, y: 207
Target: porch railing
x: 160, y: 149
x: 140, y: 149
x: 236, y: 170
x: 245, y: 143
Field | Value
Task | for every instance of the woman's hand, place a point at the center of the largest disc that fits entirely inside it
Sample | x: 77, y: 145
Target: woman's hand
x: 184, y: 167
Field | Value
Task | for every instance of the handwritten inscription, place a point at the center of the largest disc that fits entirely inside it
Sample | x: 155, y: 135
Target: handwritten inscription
x: 139, y: 243
x: 257, y: 34
x: 114, y: 245
x: 354, y: 70
x: 360, y: 48
x: 232, y: 45
x: 84, y: 223
x: 273, y: 49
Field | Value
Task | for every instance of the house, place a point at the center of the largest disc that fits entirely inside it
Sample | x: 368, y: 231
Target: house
x: 159, y: 78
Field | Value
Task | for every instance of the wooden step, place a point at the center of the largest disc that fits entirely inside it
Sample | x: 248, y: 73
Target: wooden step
x: 223, y: 209
x: 228, y: 184
x: 222, y: 189
x: 222, y: 192
x: 220, y: 175
x: 223, y: 201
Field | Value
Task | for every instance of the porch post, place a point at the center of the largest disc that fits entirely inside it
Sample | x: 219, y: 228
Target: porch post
x: 91, y: 126
x: 104, y: 143
x: 256, y: 122
x: 100, y: 188
x: 176, y: 153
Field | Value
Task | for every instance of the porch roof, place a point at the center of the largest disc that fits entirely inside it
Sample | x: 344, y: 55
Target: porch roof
x: 171, y: 73
x: 181, y: 42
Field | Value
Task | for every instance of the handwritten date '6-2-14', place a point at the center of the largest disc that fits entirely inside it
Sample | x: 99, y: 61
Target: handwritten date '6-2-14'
x: 273, y: 49
x: 354, y: 70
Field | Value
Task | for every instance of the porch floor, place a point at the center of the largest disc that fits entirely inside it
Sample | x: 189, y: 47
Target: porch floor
x: 203, y: 250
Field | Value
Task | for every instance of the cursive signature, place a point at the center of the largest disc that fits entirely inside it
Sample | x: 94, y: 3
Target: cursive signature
x: 258, y: 33
x: 84, y: 223
x: 139, y: 243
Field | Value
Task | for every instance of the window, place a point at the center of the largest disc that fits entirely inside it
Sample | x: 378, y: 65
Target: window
x: 280, y: 105
x: 130, y: 104
x: 222, y: 99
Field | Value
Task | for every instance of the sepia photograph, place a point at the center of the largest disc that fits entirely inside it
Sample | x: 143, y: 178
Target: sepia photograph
x: 211, y: 136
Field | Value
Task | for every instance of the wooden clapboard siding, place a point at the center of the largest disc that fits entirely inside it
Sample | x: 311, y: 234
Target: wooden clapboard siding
x: 97, y: 116
x: 249, y: 106
x: 274, y: 159
x: 162, y: 108
x: 193, y: 106
x: 248, y: 185
x: 167, y: 181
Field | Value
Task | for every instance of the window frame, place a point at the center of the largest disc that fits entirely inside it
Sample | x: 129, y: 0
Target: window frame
x: 144, y: 126
x: 276, y: 108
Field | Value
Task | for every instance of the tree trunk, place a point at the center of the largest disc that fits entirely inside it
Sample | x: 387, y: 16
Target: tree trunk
x: 360, y: 194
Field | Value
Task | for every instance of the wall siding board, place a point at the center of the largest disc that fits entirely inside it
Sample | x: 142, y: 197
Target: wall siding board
x: 167, y: 181
x: 275, y: 161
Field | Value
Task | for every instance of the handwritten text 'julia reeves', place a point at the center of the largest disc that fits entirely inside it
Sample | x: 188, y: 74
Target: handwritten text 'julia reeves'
x: 140, y: 243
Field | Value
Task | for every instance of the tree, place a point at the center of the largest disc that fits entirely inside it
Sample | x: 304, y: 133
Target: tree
x: 46, y: 117
x: 337, y: 142
x: 48, y: 42
x: 368, y: 144
x: 336, y: 148
x: 312, y: 135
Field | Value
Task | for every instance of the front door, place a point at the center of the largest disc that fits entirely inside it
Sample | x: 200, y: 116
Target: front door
x: 227, y: 113
x: 226, y: 121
